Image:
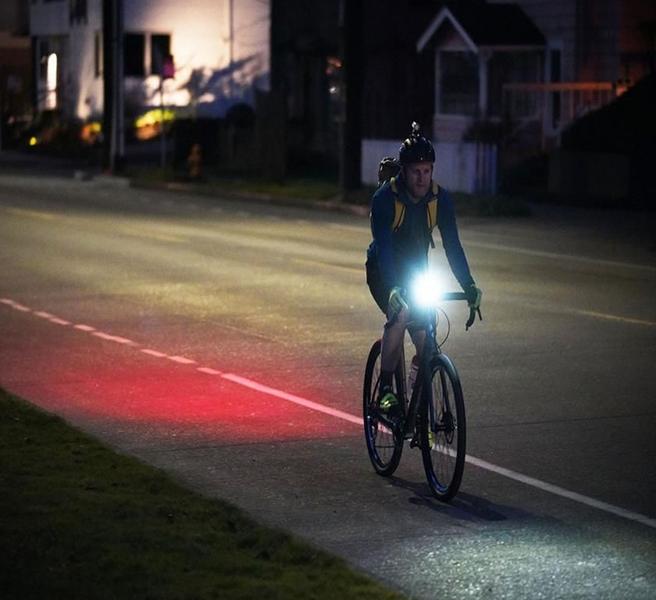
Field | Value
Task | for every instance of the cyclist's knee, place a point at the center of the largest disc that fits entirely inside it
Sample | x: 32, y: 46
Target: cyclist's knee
x: 418, y: 336
x: 398, y: 320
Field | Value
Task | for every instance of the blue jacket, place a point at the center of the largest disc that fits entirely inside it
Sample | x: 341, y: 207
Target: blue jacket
x: 401, y: 253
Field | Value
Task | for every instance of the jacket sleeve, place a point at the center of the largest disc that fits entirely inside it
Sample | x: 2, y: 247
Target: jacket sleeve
x: 452, y: 247
x: 382, y: 217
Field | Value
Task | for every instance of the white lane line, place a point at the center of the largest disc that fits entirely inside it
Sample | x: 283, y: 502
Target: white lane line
x: 559, y: 491
x: 102, y: 335
x: 155, y: 353
x: 559, y: 256
x: 58, y: 321
x: 182, y: 360
x: 44, y: 315
x: 606, y: 316
x: 525, y: 479
x: 82, y: 327
x: 209, y: 371
x: 292, y: 398
x: 113, y: 338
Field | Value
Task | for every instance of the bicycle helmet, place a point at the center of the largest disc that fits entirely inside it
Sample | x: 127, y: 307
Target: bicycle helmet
x: 416, y: 148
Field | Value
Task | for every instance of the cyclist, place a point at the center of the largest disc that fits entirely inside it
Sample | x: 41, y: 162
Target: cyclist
x: 402, y: 234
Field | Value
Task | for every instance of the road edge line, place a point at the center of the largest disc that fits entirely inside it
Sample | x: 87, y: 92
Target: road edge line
x: 477, y: 462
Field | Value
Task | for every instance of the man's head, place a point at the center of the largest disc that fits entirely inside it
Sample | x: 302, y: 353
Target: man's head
x: 418, y: 177
x: 417, y: 156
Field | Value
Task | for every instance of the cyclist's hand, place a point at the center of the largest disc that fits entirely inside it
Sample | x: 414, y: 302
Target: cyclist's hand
x: 474, y: 296
x: 396, y: 301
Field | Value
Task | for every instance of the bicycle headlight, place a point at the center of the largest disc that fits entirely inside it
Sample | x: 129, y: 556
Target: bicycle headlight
x: 426, y: 290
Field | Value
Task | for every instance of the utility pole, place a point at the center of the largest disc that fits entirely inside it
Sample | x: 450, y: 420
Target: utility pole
x: 162, y: 128
x: 351, y: 32
x: 113, y: 113
x: 231, y: 45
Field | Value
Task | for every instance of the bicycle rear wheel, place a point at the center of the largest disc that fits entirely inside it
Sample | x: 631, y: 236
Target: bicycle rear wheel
x: 383, y: 447
x: 443, y: 430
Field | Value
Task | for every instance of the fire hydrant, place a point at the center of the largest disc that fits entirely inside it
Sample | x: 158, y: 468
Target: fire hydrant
x: 195, y: 162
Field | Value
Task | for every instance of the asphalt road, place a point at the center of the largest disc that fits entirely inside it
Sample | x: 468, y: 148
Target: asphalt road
x: 154, y: 320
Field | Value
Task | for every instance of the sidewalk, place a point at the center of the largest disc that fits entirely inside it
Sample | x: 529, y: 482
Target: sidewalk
x: 20, y: 163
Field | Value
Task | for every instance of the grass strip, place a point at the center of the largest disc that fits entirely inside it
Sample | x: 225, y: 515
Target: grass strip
x: 81, y: 521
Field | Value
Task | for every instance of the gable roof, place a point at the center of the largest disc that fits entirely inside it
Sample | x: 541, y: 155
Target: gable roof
x: 483, y: 24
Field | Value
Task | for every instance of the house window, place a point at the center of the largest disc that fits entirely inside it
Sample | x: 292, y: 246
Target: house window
x: 133, y: 48
x: 458, y: 83
x: 52, y: 67
x: 144, y: 53
x: 77, y: 11
x: 160, y: 48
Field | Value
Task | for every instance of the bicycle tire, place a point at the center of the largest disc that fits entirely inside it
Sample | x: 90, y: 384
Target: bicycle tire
x: 383, y: 447
x: 443, y: 438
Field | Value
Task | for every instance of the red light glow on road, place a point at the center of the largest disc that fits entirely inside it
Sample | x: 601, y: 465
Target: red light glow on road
x: 86, y: 378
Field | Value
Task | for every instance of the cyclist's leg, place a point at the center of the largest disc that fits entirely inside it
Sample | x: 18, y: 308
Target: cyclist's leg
x: 417, y: 336
x: 390, y: 401
x: 393, y: 341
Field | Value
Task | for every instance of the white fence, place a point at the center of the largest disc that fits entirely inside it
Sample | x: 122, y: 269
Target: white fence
x: 460, y: 167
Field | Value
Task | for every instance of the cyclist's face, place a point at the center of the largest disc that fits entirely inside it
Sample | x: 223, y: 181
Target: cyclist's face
x: 418, y: 178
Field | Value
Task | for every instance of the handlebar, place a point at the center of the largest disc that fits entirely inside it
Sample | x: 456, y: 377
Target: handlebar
x: 455, y: 296
x: 448, y: 296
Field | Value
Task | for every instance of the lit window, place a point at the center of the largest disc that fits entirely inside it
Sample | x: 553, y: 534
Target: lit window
x: 51, y: 82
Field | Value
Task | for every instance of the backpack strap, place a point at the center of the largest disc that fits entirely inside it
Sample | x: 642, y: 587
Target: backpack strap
x: 431, y: 214
x: 431, y: 208
x: 399, y: 207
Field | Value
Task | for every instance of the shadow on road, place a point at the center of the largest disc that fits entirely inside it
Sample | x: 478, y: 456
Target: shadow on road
x: 464, y: 506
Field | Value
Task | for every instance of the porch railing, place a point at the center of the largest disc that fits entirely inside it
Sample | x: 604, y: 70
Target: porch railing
x: 555, y: 105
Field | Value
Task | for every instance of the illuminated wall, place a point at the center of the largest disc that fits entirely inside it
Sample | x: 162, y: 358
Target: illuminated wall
x: 214, y: 69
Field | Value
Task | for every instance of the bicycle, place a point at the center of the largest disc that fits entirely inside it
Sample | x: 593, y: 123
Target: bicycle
x: 433, y: 416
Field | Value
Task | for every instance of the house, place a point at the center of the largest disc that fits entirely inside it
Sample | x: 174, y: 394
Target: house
x: 510, y: 77
x: 220, y: 50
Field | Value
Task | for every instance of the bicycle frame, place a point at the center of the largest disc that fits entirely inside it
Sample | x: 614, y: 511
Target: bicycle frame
x: 421, y: 391
x: 434, y: 414
x: 429, y: 351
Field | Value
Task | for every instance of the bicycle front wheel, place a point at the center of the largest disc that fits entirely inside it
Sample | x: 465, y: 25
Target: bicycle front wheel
x: 384, y: 448
x: 443, y: 430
